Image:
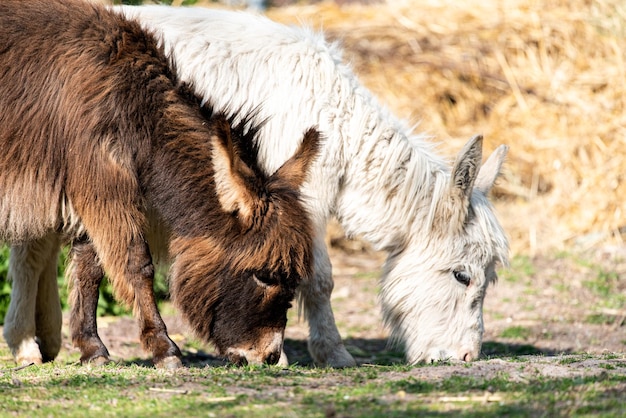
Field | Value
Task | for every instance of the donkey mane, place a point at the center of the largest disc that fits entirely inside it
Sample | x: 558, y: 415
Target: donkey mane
x: 415, y: 177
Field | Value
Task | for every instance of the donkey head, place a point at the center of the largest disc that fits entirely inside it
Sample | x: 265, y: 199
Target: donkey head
x: 234, y: 287
x: 446, y: 270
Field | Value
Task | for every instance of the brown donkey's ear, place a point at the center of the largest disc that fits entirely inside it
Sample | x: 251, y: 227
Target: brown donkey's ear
x: 295, y: 169
x: 231, y: 172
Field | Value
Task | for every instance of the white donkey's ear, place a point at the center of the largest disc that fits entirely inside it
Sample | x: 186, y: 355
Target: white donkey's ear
x: 490, y: 171
x: 452, y: 211
x: 465, y: 170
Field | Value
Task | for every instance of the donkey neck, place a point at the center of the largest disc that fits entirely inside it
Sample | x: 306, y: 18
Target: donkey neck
x: 180, y: 180
x: 392, y: 181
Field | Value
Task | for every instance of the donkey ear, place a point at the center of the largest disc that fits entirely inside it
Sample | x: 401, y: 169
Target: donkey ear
x: 232, y: 188
x: 295, y: 169
x: 453, y: 210
x: 490, y: 171
x: 465, y: 170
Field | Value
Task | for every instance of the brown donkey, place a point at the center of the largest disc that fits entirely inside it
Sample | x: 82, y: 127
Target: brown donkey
x: 102, y: 145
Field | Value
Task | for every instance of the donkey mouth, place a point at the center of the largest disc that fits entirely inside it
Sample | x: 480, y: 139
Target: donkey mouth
x: 241, y: 357
x: 455, y: 356
x: 264, y: 350
x: 237, y: 359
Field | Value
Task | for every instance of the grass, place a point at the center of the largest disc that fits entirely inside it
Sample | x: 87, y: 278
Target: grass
x: 605, y: 285
x: 521, y: 266
x: 516, y: 332
x: 602, y: 287
x: 71, y: 390
x: 514, y: 379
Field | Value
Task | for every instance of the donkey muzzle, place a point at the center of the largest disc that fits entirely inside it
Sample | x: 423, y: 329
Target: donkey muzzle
x: 267, y: 350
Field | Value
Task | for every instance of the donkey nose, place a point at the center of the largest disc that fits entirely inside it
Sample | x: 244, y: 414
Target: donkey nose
x: 272, y: 358
x: 238, y: 360
x: 468, y: 357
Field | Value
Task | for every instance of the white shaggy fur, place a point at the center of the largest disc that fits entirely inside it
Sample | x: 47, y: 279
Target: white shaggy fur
x: 33, y: 322
x: 381, y: 181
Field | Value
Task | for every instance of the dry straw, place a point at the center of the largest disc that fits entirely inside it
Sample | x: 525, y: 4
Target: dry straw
x: 545, y: 77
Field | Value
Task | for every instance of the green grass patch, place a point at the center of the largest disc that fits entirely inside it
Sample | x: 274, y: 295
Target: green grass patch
x: 602, y: 319
x: 368, y: 275
x: 64, y: 388
x: 516, y: 332
x: 603, y: 284
x: 521, y: 266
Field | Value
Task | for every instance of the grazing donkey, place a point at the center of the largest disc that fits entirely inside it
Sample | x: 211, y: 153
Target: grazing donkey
x: 100, y: 144
x: 381, y: 181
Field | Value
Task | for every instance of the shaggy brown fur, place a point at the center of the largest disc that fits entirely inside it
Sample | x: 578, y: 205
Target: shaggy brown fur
x: 96, y: 134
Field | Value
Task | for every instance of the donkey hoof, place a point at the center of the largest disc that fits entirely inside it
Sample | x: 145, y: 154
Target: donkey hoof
x: 339, y: 359
x: 343, y: 362
x: 27, y: 353
x: 95, y: 361
x: 27, y: 361
x: 99, y: 361
x: 169, y: 363
x: 50, y: 349
x: 95, y: 358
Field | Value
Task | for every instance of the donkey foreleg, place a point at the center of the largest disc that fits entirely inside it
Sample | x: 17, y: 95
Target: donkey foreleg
x: 85, y: 275
x: 325, y: 345
x: 48, y: 315
x: 154, y: 338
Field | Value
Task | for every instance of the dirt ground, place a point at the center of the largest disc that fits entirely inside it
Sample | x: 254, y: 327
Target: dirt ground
x: 545, y: 307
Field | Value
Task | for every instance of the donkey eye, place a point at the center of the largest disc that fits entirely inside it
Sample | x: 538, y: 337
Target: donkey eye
x: 462, y: 277
x: 264, y: 281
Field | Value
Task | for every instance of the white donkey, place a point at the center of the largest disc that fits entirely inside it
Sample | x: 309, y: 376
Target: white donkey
x: 382, y: 182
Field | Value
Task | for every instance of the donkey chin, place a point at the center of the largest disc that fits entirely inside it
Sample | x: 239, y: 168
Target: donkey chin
x: 270, y: 352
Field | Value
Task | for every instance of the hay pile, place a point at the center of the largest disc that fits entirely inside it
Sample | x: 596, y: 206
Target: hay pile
x: 546, y: 77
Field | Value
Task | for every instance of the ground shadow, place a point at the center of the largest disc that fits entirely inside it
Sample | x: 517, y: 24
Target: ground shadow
x: 364, y: 350
x: 381, y: 352
x: 495, y: 349
x: 378, y: 351
x: 195, y: 359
